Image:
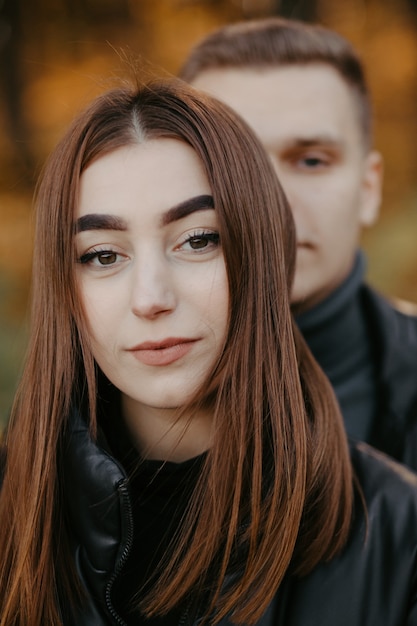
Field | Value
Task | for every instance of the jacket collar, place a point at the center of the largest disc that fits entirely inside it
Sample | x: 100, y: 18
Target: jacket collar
x: 396, y: 335
x: 395, y: 338
x: 92, y: 481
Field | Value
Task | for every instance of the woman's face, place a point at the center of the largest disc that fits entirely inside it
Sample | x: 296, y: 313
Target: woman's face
x: 151, y: 272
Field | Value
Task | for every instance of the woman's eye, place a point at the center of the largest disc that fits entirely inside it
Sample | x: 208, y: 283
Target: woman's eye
x: 99, y: 257
x: 202, y: 241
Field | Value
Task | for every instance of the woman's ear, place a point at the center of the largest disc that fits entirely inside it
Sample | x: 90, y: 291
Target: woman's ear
x: 371, y: 188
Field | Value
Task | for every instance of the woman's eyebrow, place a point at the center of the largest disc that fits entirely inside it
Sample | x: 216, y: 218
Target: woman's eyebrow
x: 177, y: 212
x: 104, y: 221
x: 99, y: 221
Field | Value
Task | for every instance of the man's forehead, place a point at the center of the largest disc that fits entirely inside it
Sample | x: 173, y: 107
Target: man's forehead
x: 232, y: 79
x: 297, y: 103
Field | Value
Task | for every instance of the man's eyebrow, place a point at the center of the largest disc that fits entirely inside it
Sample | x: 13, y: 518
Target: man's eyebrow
x: 99, y: 221
x: 177, y: 212
x: 306, y: 142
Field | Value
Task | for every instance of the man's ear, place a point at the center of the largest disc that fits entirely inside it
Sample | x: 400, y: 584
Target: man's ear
x: 371, y: 188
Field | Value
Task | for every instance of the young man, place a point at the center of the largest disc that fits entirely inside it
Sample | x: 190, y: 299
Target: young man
x: 302, y: 89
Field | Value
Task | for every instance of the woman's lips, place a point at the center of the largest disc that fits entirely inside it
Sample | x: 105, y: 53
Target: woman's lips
x: 163, y: 352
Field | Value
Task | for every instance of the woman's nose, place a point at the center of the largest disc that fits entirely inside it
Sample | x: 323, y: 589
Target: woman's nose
x: 153, y: 291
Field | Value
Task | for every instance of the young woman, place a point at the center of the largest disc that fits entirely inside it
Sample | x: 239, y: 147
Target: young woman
x: 175, y: 455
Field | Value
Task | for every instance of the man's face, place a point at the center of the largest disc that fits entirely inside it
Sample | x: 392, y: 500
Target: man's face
x: 308, y: 120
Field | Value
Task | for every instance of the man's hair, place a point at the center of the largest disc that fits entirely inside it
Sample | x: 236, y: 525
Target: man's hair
x: 275, y: 42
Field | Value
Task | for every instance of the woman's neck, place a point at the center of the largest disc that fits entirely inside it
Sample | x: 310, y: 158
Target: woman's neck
x: 167, y: 434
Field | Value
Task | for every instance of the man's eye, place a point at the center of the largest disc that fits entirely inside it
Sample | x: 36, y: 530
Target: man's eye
x: 312, y: 161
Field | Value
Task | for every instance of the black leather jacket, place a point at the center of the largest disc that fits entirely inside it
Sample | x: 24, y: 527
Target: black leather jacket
x: 395, y: 335
x: 372, y: 583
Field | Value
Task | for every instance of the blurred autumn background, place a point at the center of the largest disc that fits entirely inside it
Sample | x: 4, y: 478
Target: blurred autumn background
x: 56, y: 55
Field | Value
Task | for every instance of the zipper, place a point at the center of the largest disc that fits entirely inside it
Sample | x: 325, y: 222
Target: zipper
x: 123, y: 490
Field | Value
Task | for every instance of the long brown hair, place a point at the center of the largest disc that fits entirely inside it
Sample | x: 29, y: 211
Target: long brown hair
x: 279, y: 462
x: 274, y: 42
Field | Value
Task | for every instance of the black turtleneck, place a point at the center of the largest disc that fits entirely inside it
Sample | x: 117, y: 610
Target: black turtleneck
x: 337, y: 334
x: 160, y: 492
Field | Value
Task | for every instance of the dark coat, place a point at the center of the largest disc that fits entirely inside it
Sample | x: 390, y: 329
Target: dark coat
x: 372, y: 583
x: 395, y: 339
